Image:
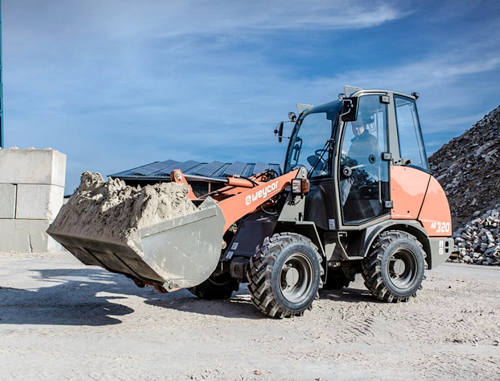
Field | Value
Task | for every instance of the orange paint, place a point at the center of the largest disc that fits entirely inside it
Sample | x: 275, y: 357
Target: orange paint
x: 178, y: 177
x: 435, y: 214
x: 241, y: 197
x: 416, y: 195
x: 248, y: 199
x: 408, y: 187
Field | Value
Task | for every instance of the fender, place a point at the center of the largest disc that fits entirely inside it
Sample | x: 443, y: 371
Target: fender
x: 308, y: 229
x: 410, y: 226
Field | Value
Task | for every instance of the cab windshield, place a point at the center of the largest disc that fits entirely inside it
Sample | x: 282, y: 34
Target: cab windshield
x: 310, y: 142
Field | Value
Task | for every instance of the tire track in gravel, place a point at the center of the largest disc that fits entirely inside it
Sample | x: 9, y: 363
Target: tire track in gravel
x: 456, y: 365
x: 74, y: 326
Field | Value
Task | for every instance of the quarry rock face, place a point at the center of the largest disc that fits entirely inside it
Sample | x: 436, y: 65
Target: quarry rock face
x: 468, y: 168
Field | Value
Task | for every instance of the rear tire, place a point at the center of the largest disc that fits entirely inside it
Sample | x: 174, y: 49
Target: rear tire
x: 393, y: 270
x: 285, y: 275
x: 219, y: 287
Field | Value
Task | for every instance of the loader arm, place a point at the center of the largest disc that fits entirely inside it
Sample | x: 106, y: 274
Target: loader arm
x: 248, y: 199
x: 242, y: 196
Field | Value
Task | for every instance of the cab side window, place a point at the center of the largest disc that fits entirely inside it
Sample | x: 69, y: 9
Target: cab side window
x: 364, y: 176
x: 411, y: 144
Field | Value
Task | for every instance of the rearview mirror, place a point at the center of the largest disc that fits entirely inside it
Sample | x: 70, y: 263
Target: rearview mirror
x: 279, y: 131
x: 349, y: 109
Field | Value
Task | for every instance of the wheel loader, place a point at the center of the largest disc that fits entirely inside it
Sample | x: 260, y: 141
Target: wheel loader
x: 356, y: 197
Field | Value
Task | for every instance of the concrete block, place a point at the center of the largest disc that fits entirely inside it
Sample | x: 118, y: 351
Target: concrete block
x: 38, y: 202
x: 7, y: 200
x: 31, y: 166
x: 26, y: 236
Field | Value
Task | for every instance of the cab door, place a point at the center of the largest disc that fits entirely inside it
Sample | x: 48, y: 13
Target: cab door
x: 410, y: 170
x: 363, y: 174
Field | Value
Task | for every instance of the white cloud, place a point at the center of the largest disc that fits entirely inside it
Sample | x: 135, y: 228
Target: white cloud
x: 224, y: 16
x: 463, y: 68
x: 125, y: 19
x: 136, y: 82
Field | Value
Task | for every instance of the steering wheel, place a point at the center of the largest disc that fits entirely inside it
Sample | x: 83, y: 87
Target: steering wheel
x: 317, y: 160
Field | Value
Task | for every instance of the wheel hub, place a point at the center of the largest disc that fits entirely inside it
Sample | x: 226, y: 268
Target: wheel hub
x: 399, y: 267
x: 291, y: 276
x: 402, y: 269
x: 296, y: 278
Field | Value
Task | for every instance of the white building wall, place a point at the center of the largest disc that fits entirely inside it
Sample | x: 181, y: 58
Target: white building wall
x: 31, y: 194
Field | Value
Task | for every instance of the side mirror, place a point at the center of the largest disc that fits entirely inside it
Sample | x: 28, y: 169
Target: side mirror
x: 349, y: 109
x: 279, y: 131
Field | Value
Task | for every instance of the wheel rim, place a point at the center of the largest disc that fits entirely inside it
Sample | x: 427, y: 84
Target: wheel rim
x: 296, y: 278
x: 402, y: 269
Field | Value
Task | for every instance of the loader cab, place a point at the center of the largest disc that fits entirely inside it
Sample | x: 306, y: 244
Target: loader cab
x: 347, y: 153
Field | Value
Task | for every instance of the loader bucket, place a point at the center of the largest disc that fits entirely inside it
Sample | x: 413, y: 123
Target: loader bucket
x: 174, y: 253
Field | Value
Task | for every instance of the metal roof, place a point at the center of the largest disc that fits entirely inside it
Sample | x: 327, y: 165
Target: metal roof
x: 194, y: 170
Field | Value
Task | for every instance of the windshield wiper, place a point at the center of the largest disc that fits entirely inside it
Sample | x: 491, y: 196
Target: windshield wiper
x: 320, y: 155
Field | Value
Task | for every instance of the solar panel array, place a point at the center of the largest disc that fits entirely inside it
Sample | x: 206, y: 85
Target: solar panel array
x: 214, y: 170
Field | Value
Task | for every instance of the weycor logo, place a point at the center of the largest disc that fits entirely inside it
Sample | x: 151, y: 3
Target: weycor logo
x: 262, y: 193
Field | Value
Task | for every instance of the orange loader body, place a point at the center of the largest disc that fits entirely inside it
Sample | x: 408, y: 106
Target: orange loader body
x: 356, y: 197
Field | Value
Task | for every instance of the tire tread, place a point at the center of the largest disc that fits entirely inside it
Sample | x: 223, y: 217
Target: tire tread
x: 371, y: 269
x: 261, y: 268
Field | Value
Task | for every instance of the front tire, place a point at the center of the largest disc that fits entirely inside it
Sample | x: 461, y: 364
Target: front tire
x: 394, y: 268
x: 285, y: 275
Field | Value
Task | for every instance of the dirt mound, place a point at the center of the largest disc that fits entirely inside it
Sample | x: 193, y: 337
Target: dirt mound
x: 468, y: 168
x: 112, y: 211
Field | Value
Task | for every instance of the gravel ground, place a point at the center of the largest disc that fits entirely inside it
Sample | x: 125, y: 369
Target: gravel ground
x: 61, y: 320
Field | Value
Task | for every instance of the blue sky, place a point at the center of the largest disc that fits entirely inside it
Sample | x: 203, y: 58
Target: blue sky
x: 115, y: 84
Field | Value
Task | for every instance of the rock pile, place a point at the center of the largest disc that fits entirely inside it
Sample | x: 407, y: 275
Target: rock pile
x: 468, y: 168
x: 479, y: 241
